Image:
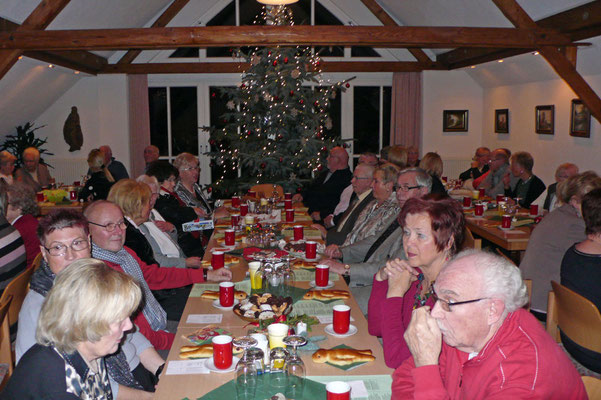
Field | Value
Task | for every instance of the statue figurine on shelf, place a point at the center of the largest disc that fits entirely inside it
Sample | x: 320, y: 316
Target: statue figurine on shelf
x: 72, y: 131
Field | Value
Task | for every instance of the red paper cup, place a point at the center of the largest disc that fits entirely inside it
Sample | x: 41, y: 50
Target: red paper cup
x: 287, y: 196
x: 39, y: 197
x: 252, y: 193
x: 236, y: 201
x: 298, y: 232
x: 534, y: 209
x: 479, y: 210
x: 290, y: 215
x: 288, y: 204
x: 243, y: 209
x: 341, y: 318
x: 482, y: 193
x: 322, y: 275
x: 217, y: 259
x: 72, y: 195
x: 506, y: 221
x: 222, y: 351
x: 311, y: 250
x: 467, y: 201
x: 230, y: 237
x: 338, y: 390
x: 226, y: 294
x: 235, y: 220
x: 500, y: 197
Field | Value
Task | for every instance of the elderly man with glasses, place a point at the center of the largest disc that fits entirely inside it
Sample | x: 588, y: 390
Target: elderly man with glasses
x: 478, y: 342
x: 479, y: 164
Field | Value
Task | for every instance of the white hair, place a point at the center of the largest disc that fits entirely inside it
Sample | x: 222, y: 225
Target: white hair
x: 501, y: 279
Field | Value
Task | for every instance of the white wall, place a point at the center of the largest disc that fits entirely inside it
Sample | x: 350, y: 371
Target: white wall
x: 548, y: 150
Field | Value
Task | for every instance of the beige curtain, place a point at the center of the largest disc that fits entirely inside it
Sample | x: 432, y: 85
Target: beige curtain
x: 139, y: 122
x: 406, y: 113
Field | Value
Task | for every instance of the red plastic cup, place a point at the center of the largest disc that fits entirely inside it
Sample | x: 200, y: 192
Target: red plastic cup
x: 77, y: 183
x: 287, y: 204
x: 482, y: 193
x: 444, y: 179
x: 226, y: 294
x: 236, y: 201
x: 506, y: 221
x: 479, y: 210
x: 235, y: 220
x: 243, y: 209
x: 322, y: 275
x: 72, y: 195
x: 341, y: 318
x: 230, y: 237
x: 467, y: 202
x: 287, y: 196
x: 538, y: 219
x: 311, y: 249
x: 252, y: 193
x: 217, y: 259
x: 338, y: 390
x: 298, y: 232
x: 290, y: 215
x: 500, y: 197
x: 39, y: 197
x: 222, y: 351
x: 534, y: 209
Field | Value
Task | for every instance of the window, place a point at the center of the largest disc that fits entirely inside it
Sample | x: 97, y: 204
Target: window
x: 371, y: 118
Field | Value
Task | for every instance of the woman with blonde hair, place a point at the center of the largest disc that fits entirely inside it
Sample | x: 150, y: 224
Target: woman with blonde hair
x: 100, y: 181
x: 398, y: 156
x: 432, y: 164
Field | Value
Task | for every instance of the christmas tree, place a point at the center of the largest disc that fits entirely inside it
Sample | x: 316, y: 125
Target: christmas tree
x: 275, y: 131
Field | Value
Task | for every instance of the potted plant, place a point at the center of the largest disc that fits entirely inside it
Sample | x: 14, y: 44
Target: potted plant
x: 25, y: 138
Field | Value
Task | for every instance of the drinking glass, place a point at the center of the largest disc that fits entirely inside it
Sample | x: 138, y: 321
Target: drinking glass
x: 277, y: 369
x: 295, y: 368
x: 246, y: 370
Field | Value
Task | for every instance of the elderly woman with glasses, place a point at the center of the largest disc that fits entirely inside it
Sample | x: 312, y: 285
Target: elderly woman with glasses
x: 432, y: 233
x: 65, y: 239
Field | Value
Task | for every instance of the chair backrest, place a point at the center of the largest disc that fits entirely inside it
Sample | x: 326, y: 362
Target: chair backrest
x: 37, y: 261
x: 17, y: 288
x: 469, y: 242
x: 551, y: 325
x: 6, y: 354
x: 593, y: 387
x: 577, y: 317
x: 266, y: 190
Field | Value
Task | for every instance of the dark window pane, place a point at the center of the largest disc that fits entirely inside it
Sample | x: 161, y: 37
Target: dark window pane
x: 324, y: 17
x: 366, y: 115
x: 386, y: 105
x: 217, y: 107
x: 185, y: 52
x: 335, y: 112
x: 157, y: 102
x: 227, y: 16
x: 363, y: 51
x: 184, y: 120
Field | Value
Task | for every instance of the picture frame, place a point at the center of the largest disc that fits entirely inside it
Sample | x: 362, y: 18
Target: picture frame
x: 545, y: 119
x: 502, y: 120
x: 580, y: 119
x: 455, y: 120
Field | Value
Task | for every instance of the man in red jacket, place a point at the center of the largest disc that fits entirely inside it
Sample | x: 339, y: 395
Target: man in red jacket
x: 478, y: 343
x: 107, y: 230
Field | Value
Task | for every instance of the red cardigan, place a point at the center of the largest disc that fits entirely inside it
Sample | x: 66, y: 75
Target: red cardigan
x: 27, y: 226
x: 160, y: 278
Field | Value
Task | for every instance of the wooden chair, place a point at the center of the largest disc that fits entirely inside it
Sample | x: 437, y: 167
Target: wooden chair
x: 6, y: 355
x: 593, y: 387
x: 469, y: 242
x: 575, y: 315
x: 17, y: 288
x: 37, y: 261
x: 499, y: 252
x: 266, y: 190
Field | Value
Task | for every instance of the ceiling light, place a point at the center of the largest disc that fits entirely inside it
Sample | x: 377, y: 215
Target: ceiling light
x: 277, y: 2
x: 535, y: 53
x: 76, y: 72
x: 500, y: 60
x: 473, y: 66
x: 50, y: 66
x: 20, y: 58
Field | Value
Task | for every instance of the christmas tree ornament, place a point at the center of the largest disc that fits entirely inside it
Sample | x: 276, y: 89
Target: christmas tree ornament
x: 285, y: 60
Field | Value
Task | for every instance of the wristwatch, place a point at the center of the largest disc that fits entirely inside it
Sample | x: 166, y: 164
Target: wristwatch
x: 205, y: 274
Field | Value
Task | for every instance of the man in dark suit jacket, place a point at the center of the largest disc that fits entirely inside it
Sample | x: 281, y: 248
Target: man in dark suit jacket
x: 361, y: 197
x: 563, y: 172
x: 322, y: 195
x: 479, y: 164
x: 116, y: 168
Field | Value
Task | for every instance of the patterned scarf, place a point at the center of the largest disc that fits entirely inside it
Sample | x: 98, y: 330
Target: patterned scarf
x: 82, y: 381
x: 117, y: 365
x: 152, y: 310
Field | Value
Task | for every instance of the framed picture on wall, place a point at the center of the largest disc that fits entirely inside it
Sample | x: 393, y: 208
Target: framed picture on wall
x: 454, y: 120
x: 580, y: 120
x: 545, y: 120
x: 502, y: 120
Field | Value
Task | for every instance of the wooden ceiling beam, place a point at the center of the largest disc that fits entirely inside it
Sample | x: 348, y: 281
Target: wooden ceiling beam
x: 555, y: 57
x: 235, y: 67
x: 162, y: 21
x: 39, y: 18
x: 221, y: 36
x: 578, y: 23
x: 387, y: 20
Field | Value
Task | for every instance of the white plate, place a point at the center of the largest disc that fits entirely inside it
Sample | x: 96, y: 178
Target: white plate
x: 313, y: 285
x: 477, y: 216
x: 505, y: 229
x: 211, y: 366
x: 219, y: 306
x: 352, y: 329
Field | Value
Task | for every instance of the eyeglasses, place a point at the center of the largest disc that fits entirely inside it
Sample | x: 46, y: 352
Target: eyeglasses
x: 111, y: 225
x: 190, y: 168
x: 406, y: 188
x: 60, y: 249
x: 360, y: 177
x: 446, y: 305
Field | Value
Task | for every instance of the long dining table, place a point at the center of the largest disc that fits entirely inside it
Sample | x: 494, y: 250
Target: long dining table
x: 180, y: 380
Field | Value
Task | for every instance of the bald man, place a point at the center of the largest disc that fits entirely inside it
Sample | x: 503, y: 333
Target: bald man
x: 33, y: 173
x: 116, y: 168
x: 323, y: 194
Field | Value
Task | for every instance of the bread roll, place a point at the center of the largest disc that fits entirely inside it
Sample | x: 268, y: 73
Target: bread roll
x: 327, y: 294
x: 214, y: 294
x: 202, y: 351
x: 342, y: 356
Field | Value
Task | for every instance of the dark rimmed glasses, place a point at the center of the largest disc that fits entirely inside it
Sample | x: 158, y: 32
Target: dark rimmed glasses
x: 406, y: 188
x: 446, y: 305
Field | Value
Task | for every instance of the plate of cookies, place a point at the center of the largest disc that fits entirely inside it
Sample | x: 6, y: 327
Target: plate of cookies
x: 264, y: 306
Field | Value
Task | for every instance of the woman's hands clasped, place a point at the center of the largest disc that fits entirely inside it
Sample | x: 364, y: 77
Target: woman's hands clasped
x: 399, y: 274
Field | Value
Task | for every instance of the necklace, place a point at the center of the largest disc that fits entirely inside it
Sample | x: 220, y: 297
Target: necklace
x: 418, y: 300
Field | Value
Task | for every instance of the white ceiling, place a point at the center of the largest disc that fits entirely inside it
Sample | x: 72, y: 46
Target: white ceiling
x: 22, y: 100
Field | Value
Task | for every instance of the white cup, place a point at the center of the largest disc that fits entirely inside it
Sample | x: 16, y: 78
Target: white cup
x: 277, y: 333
